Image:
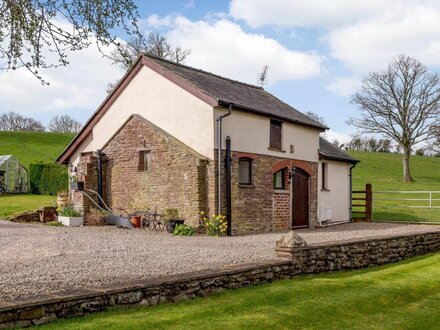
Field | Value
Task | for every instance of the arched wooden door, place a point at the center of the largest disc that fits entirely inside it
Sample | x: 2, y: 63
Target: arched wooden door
x: 300, y: 199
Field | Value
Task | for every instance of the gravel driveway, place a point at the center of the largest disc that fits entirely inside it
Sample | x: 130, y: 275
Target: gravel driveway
x: 38, y: 259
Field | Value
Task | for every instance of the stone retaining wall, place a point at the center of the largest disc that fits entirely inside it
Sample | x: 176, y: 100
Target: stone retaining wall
x: 304, y: 260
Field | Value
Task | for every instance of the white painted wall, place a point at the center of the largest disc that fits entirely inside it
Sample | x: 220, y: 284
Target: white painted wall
x: 163, y: 103
x: 250, y: 133
x: 338, y: 183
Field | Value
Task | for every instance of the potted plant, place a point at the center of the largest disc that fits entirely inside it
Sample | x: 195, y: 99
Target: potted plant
x: 171, y: 218
x: 70, y: 217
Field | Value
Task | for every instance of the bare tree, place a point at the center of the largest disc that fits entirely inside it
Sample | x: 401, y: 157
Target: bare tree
x: 316, y: 117
x: 402, y: 103
x: 154, y: 44
x: 64, y: 124
x: 30, y: 30
x: 12, y: 121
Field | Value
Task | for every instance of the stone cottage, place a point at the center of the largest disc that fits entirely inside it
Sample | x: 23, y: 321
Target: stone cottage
x: 158, y: 136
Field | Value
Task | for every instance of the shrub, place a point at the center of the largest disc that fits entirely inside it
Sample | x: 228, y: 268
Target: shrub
x: 96, y: 217
x: 171, y: 214
x: 47, y: 178
x: 183, y: 230
x: 68, y: 211
x: 216, y: 225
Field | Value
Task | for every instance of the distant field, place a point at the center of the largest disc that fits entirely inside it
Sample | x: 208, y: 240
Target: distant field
x: 384, y: 172
x: 30, y: 147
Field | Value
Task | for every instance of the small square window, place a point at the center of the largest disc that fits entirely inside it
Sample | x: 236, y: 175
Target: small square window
x: 245, y: 171
x: 279, y: 179
x: 144, y: 160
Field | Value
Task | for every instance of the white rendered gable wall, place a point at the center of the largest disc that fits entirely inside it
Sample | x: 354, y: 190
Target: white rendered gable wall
x: 166, y: 105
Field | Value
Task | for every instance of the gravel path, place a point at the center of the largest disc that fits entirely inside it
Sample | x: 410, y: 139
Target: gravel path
x: 37, y: 259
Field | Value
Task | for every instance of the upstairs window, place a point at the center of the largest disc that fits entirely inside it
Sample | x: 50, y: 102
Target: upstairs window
x: 279, y: 179
x: 144, y: 160
x: 275, y: 134
x: 245, y: 171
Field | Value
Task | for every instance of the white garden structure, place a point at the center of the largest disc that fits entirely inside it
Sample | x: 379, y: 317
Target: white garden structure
x: 13, y: 175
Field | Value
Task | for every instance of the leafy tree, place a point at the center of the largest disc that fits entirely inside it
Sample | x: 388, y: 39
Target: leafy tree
x: 64, y: 124
x: 401, y: 103
x: 37, y: 34
x: 154, y: 44
x: 12, y: 121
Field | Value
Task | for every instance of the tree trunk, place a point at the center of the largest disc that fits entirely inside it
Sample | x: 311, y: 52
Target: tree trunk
x: 406, y: 172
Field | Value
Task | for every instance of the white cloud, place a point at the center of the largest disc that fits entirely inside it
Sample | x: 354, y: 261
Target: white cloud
x: 297, y: 13
x: 331, y: 136
x: 80, y: 86
x: 344, y: 86
x: 364, y: 35
x: 371, y: 44
x: 224, y: 48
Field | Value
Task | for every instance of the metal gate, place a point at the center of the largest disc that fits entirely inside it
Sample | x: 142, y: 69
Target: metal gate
x: 407, y: 206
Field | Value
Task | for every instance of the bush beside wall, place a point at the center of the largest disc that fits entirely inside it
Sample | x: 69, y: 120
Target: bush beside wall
x: 48, y: 178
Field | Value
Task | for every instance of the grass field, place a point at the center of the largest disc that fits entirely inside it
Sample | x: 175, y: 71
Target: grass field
x: 12, y: 204
x: 384, y: 171
x: 29, y: 147
x: 399, y: 296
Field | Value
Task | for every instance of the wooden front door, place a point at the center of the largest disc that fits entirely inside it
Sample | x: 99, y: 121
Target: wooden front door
x: 300, y: 199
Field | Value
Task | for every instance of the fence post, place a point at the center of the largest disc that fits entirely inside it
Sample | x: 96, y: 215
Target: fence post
x: 368, y: 202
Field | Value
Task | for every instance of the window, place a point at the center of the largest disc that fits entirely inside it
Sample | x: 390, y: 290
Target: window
x: 245, y: 171
x: 324, y: 175
x: 275, y: 134
x: 279, y: 179
x: 144, y: 160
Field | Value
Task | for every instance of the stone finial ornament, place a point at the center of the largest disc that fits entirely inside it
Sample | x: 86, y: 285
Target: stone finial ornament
x: 291, y: 240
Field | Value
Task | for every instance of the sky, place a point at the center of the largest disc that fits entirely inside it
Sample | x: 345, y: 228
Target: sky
x: 317, y: 52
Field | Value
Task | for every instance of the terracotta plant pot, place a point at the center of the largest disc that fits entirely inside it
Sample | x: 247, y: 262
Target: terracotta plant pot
x: 136, y: 221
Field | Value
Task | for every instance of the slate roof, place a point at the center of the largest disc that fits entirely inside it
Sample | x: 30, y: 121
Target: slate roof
x: 244, y: 96
x: 329, y: 151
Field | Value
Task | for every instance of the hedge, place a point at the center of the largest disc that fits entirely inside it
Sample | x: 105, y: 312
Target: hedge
x: 48, y: 178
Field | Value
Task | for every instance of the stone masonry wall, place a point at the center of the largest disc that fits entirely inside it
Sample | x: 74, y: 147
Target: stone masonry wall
x: 177, y: 177
x: 261, y: 208
x: 313, y: 259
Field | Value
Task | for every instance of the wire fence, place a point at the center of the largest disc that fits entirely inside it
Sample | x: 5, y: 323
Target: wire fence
x: 407, y: 206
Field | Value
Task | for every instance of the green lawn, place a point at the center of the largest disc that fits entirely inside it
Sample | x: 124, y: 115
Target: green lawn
x: 399, y: 296
x: 384, y: 171
x: 29, y: 147
x: 11, y: 204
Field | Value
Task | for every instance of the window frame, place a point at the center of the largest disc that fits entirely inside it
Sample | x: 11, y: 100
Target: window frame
x: 249, y: 161
x: 283, y: 179
x: 276, y: 145
x: 144, y: 161
x: 324, y: 176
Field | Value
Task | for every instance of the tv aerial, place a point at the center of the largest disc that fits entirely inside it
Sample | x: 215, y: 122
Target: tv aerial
x: 262, y: 76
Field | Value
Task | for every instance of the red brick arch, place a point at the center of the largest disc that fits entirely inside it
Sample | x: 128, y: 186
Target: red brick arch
x: 292, y: 163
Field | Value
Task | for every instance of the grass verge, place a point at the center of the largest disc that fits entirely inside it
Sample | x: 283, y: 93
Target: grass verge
x: 398, y: 296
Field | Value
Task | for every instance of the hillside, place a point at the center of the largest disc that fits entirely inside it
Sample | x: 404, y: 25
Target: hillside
x: 384, y: 171
x: 29, y: 147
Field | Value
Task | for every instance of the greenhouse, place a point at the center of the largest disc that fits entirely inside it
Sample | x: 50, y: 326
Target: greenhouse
x: 13, y: 175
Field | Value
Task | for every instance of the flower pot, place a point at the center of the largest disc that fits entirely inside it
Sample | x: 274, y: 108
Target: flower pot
x: 171, y: 224
x: 136, y: 221
x: 71, y: 221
